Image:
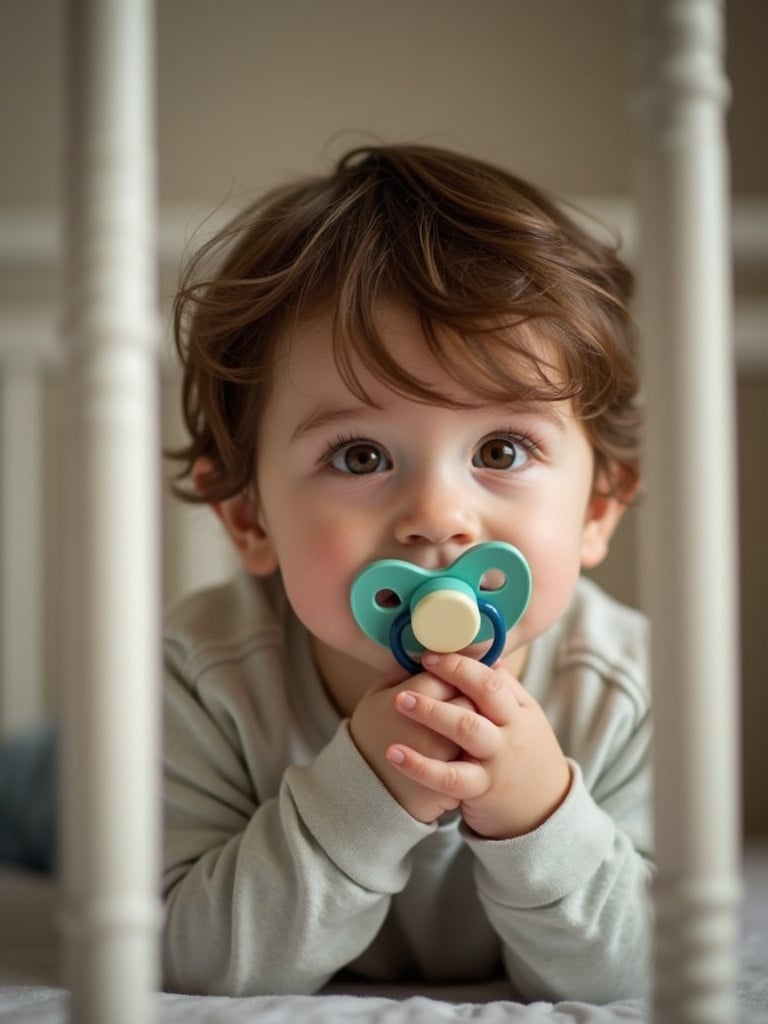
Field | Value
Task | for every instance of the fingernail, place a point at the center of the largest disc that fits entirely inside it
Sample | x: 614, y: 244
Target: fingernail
x: 395, y: 755
x: 407, y: 701
x: 431, y: 659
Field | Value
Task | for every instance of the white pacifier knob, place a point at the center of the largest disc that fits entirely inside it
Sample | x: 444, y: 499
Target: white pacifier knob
x: 444, y: 615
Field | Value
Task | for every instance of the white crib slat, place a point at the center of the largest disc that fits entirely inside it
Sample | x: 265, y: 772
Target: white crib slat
x: 110, y: 844
x: 689, y: 553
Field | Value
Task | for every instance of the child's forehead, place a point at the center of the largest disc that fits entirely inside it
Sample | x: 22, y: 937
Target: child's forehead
x: 316, y: 352
x: 315, y: 341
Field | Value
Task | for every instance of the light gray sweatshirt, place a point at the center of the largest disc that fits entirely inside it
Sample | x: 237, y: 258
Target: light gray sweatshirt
x: 287, y: 860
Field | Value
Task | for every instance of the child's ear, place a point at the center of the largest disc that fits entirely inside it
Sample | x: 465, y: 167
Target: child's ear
x: 242, y: 519
x: 611, y: 496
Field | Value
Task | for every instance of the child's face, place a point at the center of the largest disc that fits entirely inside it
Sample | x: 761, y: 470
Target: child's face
x: 341, y: 483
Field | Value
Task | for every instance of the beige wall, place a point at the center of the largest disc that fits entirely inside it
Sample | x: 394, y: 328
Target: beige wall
x: 251, y: 90
x: 753, y: 469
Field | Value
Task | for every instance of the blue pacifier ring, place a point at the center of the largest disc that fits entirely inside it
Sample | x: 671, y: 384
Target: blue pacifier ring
x: 484, y: 607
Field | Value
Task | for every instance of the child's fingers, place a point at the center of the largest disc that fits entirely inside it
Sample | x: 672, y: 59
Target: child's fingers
x: 459, y: 780
x: 461, y: 724
x: 492, y: 690
x: 426, y: 682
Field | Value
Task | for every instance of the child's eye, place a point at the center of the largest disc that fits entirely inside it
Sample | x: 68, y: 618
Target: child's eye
x: 502, y: 453
x: 359, y: 457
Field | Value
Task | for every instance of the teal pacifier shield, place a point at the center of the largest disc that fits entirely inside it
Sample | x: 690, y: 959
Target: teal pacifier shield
x: 495, y: 572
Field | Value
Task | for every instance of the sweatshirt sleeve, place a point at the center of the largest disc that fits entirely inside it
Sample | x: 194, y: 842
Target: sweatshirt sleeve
x: 255, y: 890
x: 570, y: 900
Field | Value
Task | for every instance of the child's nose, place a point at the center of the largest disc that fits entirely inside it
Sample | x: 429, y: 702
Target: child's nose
x: 433, y: 512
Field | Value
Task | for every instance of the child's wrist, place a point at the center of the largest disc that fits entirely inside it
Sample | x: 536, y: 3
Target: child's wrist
x: 501, y: 825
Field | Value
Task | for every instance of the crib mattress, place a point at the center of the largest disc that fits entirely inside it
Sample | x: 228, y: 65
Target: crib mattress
x: 30, y: 993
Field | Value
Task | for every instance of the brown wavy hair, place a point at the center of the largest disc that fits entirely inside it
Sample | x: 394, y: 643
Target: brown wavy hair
x: 488, y: 262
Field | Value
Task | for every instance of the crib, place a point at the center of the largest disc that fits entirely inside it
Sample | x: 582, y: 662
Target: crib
x: 711, y: 960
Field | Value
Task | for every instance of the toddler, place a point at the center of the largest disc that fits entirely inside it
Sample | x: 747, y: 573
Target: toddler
x: 403, y: 359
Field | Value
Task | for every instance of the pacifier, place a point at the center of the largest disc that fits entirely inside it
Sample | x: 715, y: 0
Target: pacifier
x: 481, y: 596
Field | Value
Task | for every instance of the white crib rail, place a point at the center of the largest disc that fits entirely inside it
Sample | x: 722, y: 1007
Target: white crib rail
x: 689, y: 554
x: 110, y: 708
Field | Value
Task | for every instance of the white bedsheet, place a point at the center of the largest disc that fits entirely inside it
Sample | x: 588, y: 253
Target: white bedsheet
x: 49, y: 1007
x: 30, y: 993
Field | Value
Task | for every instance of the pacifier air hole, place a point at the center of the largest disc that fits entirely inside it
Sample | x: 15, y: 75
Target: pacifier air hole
x: 386, y: 598
x: 492, y: 580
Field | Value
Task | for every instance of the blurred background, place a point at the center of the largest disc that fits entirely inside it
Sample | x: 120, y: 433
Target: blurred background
x: 252, y: 91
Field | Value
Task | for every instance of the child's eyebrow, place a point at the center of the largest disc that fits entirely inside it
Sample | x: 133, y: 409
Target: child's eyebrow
x: 326, y: 416
x: 550, y: 412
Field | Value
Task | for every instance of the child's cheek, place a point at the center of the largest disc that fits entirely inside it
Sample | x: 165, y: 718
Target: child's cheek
x: 555, y: 571
x: 317, y: 578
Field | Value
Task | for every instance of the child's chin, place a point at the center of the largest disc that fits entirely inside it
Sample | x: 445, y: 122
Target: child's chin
x: 380, y: 659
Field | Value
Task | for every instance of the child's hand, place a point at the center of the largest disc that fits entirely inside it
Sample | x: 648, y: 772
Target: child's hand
x: 512, y: 775
x: 376, y: 724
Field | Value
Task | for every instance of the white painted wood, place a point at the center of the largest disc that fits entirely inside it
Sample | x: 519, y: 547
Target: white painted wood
x: 689, y: 558
x: 110, y: 848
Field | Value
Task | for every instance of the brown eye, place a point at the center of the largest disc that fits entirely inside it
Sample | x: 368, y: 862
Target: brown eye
x: 499, y: 453
x: 360, y: 458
